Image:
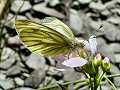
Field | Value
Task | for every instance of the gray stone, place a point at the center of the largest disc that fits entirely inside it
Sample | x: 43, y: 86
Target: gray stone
x: 95, y: 25
x: 75, y: 3
x: 53, y: 2
x: 106, y: 51
x: 8, y: 58
x: 26, y: 75
x: 84, y: 1
x: 53, y: 71
x: 7, y: 63
x: 76, y: 22
x: 43, y: 9
x: 51, y: 61
x: 7, y: 84
x: 35, y: 61
x: 114, y: 69
x: 111, y: 32
x: 110, y: 4
x: 106, y: 13
x: 97, y: 6
x: 100, y: 42
x: 114, y: 20
x: 116, y: 10
x: 48, y: 81
x: 35, y: 78
x: 106, y: 87
x: 115, y: 47
x: 17, y: 4
x: 117, y: 58
x: 14, y: 40
x: 15, y: 70
x: 21, y: 17
x: 23, y: 88
x: 72, y: 75
x: 117, y: 81
x: 2, y: 76
x: 19, y: 81
x: 11, y: 20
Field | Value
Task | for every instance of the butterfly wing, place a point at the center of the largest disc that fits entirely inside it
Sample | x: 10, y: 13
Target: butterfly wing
x: 58, y: 26
x: 93, y: 44
x: 43, y: 39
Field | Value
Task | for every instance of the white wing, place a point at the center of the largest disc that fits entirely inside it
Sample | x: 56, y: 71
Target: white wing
x: 75, y: 62
x: 93, y: 44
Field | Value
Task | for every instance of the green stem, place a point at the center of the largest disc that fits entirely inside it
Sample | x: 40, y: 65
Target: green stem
x: 81, y: 85
x: 114, y: 75
x: 81, y: 81
x: 64, y: 84
x: 94, y: 83
x: 100, y: 78
x: 91, y: 83
x: 113, y: 86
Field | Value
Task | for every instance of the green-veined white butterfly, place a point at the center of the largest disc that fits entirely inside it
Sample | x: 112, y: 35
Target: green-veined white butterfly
x: 50, y: 37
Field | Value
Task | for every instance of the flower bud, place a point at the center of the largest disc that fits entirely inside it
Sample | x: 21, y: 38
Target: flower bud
x: 97, y: 60
x: 89, y: 68
x: 105, y: 64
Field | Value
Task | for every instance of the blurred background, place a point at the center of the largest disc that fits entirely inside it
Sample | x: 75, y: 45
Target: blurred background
x: 22, y: 70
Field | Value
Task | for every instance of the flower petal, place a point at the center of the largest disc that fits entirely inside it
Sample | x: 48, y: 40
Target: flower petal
x: 106, y: 60
x: 75, y: 62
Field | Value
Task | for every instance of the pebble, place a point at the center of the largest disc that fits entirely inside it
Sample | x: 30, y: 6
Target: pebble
x: 114, y: 69
x: 17, y: 4
x: 7, y: 84
x: 48, y: 11
x: 35, y: 78
x: 15, y: 70
x: 106, y: 13
x: 14, y: 75
x: 8, y: 58
x: 116, y: 11
x: 23, y: 88
x: 14, y: 40
x: 106, y: 51
x: 71, y: 75
x: 35, y: 61
x: 117, y: 58
x: 76, y: 21
x: 2, y: 76
x: 117, y: 81
x: 84, y: 1
x: 114, y: 20
x: 97, y: 6
x: 54, y: 2
x: 19, y: 81
x: 115, y: 47
x: 111, y: 32
x: 106, y: 87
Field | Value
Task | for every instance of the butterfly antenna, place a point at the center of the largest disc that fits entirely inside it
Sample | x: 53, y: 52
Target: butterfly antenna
x: 97, y: 30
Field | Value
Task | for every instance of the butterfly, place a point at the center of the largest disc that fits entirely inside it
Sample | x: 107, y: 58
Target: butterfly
x: 50, y: 37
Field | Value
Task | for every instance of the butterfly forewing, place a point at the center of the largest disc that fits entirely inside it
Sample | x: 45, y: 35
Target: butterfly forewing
x: 58, y: 26
x: 42, y: 39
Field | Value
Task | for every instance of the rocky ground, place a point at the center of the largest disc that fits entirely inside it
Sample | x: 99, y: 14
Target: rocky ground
x: 22, y: 70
